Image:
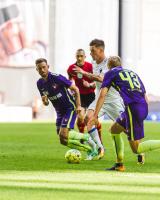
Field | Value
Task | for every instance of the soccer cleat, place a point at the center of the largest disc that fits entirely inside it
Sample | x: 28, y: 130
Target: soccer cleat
x: 100, y: 153
x: 117, y: 167
x: 92, y: 155
x: 141, y: 159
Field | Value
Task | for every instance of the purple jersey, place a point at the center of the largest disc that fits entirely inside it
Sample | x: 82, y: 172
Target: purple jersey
x: 56, y: 89
x: 127, y: 83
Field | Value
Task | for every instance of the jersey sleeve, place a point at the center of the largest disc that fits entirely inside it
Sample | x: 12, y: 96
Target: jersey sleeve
x: 107, y: 80
x: 62, y: 80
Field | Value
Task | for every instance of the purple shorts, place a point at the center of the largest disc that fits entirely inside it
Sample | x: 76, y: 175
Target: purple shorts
x: 66, y: 119
x: 132, y: 120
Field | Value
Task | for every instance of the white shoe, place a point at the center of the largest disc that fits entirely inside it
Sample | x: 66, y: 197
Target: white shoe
x: 92, y: 156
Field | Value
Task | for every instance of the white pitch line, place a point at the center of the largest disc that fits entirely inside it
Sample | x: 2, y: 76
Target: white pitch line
x: 75, y: 175
x: 79, y: 187
x: 97, y: 180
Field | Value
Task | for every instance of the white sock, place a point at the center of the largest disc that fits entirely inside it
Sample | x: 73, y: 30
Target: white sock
x: 92, y: 143
x: 94, y: 134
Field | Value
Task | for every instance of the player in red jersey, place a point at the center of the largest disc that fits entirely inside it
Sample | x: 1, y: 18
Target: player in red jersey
x: 85, y: 85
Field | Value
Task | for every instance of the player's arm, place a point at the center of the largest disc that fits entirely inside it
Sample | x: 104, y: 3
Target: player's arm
x: 108, y: 78
x: 77, y: 97
x: 43, y: 97
x: 90, y: 76
x: 100, y: 101
x: 89, y: 85
x: 45, y: 100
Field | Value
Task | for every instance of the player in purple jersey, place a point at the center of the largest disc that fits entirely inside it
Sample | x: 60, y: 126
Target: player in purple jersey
x: 54, y: 88
x: 133, y: 93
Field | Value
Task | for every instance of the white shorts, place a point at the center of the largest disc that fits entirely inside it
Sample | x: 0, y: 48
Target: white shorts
x: 111, y: 109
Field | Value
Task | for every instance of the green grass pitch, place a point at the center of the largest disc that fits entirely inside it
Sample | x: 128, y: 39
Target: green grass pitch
x: 32, y: 166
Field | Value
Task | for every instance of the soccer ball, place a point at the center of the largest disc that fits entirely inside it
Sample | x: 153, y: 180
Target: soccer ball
x: 73, y: 156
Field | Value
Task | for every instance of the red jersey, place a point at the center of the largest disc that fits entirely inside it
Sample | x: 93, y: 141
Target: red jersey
x: 78, y: 78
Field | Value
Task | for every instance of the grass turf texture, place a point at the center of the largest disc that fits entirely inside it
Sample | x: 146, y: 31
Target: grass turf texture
x: 32, y: 166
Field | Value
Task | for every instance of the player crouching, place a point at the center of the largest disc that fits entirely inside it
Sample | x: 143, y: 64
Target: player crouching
x: 54, y: 88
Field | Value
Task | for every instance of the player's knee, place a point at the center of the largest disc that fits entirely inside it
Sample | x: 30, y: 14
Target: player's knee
x: 112, y: 129
x: 79, y: 121
x: 135, y: 151
x: 86, y: 120
x: 62, y: 136
x: 115, y: 129
x: 63, y: 140
x: 60, y: 132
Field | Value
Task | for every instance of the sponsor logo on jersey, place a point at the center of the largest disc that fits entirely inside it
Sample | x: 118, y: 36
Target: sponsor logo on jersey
x: 55, y: 86
x: 79, y: 75
x: 55, y: 97
x: 46, y: 93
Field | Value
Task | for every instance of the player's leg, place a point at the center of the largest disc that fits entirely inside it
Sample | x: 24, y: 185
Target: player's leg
x: 116, y: 109
x: 137, y: 113
x: 90, y: 141
x: 80, y: 121
x: 72, y: 139
x: 58, y: 122
x: 79, y: 136
x: 68, y: 136
x: 86, y: 100
x: 116, y: 130
x: 92, y: 130
x: 68, y: 121
x: 99, y: 129
x: 113, y: 110
x: 142, y: 147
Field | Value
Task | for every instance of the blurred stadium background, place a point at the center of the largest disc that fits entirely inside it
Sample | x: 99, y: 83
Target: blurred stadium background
x: 55, y: 29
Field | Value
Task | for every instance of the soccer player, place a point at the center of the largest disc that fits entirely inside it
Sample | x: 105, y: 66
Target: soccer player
x: 86, y: 88
x: 131, y: 121
x: 54, y: 88
x: 114, y: 104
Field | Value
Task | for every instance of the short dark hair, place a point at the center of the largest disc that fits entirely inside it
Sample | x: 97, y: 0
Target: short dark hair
x: 80, y: 50
x: 97, y: 43
x: 40, y: 60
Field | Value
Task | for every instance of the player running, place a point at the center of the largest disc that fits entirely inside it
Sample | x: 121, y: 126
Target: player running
x: 131, y: 121
x: 86, y: 87
x: 54, y: 88
x: 114, y: 104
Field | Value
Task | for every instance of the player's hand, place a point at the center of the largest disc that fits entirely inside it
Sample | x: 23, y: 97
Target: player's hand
x: 77, y: 69
x: 45, y: 100
x: 93, y: 121
x: 86, y: 84
x: 78, y: 110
